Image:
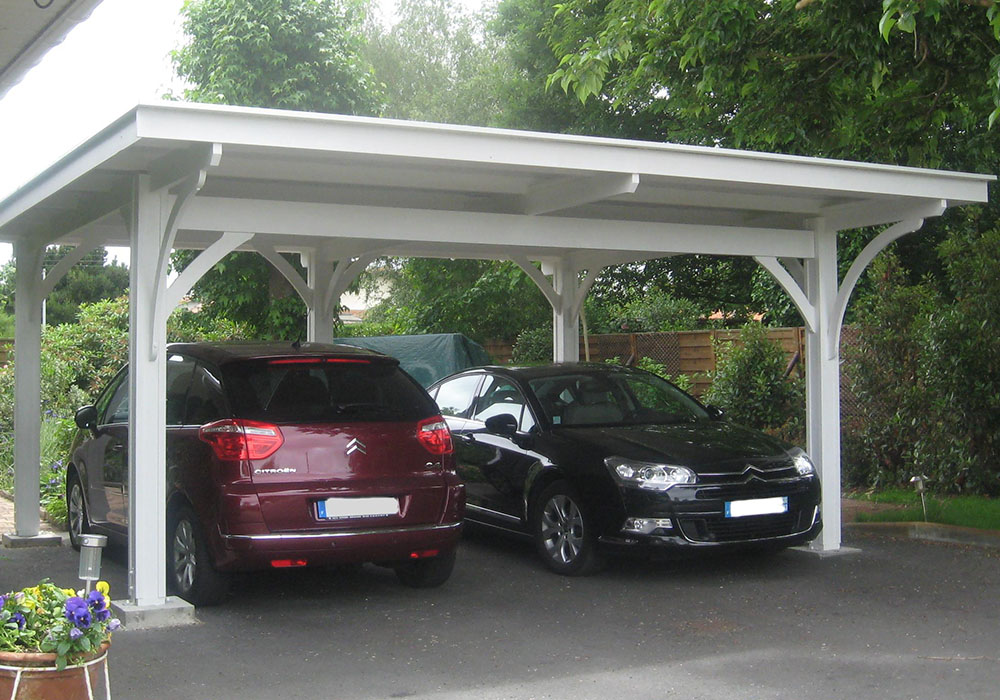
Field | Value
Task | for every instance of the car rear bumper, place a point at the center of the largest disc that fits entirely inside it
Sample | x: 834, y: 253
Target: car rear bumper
x: 253, y: 552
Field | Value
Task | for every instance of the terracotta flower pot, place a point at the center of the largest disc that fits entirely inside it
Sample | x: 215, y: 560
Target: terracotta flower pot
x: 27, y: 676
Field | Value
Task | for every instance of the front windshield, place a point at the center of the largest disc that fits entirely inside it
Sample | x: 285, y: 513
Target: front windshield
x: 613, y: 398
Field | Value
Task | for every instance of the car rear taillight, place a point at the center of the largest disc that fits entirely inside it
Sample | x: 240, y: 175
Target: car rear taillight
x: 242, y: 439
x: 434, y: 435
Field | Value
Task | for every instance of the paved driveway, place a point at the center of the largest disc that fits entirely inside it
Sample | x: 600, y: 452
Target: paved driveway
x: 900, y: 619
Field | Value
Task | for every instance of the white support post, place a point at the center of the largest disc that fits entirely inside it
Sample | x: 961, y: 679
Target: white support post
x: 823, y: 382
x: 147, y: 408
x: 319, y: 275
x: 565, y: 316
x: 27, y: 396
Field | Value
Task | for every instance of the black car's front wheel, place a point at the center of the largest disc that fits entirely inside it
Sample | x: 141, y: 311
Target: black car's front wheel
x: 190, y: 573
x: 76, y: 511
x: 564, y: 533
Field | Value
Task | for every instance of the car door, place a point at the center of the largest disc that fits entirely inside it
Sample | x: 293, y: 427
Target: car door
x: 500, y: 461
x: 455, y: 399
x: 106, y: 458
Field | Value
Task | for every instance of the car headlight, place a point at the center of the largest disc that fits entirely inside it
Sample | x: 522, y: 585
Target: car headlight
x: 803, y: 465
x: 649, y: 475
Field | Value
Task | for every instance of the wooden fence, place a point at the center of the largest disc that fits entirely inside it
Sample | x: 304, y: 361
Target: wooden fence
x: 693, y: 353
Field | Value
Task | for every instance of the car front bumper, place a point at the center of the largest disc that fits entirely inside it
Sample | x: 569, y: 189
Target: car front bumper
x: 698, y: 517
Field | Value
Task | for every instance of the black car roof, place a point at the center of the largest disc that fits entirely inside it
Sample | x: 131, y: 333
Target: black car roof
x: 550, y: 370
x: 220, y: 353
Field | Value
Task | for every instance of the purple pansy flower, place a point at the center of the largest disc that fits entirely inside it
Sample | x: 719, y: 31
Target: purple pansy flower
x: 114, y: 624
x: 78, y: 612
x: 99, y: 605
x: 19, y: 619
x: 75, y: 633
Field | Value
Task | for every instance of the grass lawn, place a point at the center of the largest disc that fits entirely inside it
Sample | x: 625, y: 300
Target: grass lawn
x: 967, y: 511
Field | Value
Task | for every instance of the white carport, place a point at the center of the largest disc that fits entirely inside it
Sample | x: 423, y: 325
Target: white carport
x: 341, y: 191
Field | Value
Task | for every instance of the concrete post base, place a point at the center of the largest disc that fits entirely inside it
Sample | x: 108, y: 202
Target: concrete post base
x: 174, y: 612
x: 44, y: 539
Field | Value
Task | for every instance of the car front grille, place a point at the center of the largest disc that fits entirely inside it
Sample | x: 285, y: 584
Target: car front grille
x: 721, y: 529
x: 750, y: 473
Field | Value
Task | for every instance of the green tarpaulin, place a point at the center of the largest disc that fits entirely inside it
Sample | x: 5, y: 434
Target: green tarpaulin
x: 426, y: 358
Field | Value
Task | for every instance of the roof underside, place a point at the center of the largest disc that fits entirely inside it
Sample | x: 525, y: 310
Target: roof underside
x: 28, y: 31
x: 308, y: 182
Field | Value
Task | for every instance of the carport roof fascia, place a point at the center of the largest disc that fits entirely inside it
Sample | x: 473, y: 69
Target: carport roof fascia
x: 259, y: 134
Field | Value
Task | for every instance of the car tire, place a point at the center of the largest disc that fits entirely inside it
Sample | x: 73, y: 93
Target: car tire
x: 563, y: 532
x: 426, y: 573
x: 77, y: 517
x: 190, y: 573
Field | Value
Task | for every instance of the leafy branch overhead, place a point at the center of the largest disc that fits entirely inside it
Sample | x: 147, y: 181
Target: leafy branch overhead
x: 764, y: 74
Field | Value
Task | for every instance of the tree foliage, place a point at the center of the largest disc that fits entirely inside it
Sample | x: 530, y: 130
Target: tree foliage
x: 91, y: 279
x: 480, y: 298
x: 288, y: 54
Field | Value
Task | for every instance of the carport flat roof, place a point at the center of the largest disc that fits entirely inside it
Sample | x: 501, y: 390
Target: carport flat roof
x: 407, y: 188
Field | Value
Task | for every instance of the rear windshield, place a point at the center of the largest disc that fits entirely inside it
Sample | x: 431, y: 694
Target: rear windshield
x: 319, y: 390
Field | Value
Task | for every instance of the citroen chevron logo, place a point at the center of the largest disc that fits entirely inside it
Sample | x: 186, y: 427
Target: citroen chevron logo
x: 356, y: 445
x: 753, y: 473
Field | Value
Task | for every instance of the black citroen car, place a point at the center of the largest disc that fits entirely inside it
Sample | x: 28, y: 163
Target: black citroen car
x: 589, y: 459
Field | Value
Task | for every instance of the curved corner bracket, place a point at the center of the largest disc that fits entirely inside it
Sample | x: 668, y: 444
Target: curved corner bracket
x: 206, y: 260
x: 784, y: 278
x: 539, y: 279
x: 285, y: 268
x: 54, y: 275
x: 874, y: 247
x: 346, y: 272
x: 183, y: 194
x: 583, y: 288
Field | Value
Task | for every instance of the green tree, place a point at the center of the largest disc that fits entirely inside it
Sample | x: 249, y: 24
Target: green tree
x: 289, y: 54
x: 480, y: 298
x: 245, y: 289
x: 91, y: 279
x: 903, y: 16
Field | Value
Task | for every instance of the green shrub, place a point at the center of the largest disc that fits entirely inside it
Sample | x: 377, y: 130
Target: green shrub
x: 749, y: 383
x: 533, y: 346
x: 926, y: 373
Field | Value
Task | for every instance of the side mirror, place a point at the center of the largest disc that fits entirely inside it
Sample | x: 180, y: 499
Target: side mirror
x: 503, y: 424
x: 714, y: 412
x: 86, y: 418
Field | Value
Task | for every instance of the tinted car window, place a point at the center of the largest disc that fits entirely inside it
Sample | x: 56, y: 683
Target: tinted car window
x: 179, y: 372
x: 205, y: 401
x: 613, y: 398
x: 455, y: 397
x: 116, y: 408
x: 306, y: 390
x: 502, y: 396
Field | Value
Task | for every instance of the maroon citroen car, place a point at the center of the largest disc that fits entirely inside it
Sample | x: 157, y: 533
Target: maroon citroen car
x: 280, y: 455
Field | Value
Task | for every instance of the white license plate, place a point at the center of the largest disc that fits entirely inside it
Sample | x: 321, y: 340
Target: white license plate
x: 340, y: 508
x: 757, y: 506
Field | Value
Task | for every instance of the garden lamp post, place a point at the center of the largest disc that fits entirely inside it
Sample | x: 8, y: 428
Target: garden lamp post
x: 90, y: 558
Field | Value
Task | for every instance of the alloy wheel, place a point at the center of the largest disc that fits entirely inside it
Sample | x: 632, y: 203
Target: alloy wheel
x: 185, y: 559
x: 562, y: 529
x: 77, y: 511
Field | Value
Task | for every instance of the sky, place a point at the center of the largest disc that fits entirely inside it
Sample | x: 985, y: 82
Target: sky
x: 118, y: 57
